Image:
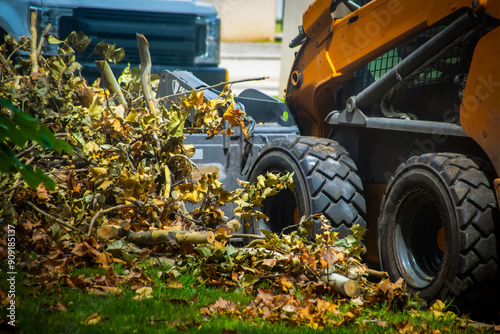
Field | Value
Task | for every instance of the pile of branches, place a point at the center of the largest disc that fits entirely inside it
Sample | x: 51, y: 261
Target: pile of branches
x: 115, y: 149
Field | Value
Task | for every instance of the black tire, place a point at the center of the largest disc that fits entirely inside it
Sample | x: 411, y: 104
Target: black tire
x: 326, y: 182
x: 437, y: 196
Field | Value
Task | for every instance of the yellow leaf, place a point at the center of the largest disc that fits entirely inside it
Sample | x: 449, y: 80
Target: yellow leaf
x: 99, y: 171
x: 233, y: 116
x: 248, y: 279
x: 105, y: 185
x: 93, y: 319
x: 438, y: 306
x: 132, y: 116
x: 195, y: 99
x: 143, y: 293
x: 91, y: 147
x: 189, y: 150
x: 286, y: 284
x: 233, y: 225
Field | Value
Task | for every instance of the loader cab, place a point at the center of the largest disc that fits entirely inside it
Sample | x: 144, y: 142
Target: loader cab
x: 437, y: 87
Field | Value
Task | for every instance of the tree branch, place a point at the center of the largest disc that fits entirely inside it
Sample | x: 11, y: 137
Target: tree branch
x: 143, y: 45
x: 6, y: 64
x: 42, y: 40
x: 52, y: 217
x: 118, y: 207
x: 33, y: 52
x: 110, y: 80
x: 213, y: 86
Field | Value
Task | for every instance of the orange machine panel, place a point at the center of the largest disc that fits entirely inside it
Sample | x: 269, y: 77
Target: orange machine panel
x: 480, y: 109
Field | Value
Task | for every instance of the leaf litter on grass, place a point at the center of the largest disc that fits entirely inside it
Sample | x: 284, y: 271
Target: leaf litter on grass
x: 130, y: 169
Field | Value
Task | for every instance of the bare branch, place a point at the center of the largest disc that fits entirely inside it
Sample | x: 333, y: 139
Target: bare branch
x: 65, y: 224
x: 34, y: 37
x: 42, y: 39
x: 213, y: 86
x: 143, y: 45
x: 110, y: 80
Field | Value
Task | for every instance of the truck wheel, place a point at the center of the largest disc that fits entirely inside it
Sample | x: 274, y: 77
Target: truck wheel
x: 326, y: 182
x: 437, y: 229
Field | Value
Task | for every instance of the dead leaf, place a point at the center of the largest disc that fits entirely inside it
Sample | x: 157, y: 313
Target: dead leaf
x: 93, y: 319
x: 143, y: 293
x: 41, y: 192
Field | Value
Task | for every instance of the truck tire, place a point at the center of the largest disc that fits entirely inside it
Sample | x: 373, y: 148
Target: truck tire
x: 326, y: 182
x: 437, y: 229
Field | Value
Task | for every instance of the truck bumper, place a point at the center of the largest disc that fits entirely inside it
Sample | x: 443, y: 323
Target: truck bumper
x: 210, y: 75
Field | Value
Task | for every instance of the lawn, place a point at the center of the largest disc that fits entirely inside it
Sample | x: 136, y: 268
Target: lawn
x: 160, y: 305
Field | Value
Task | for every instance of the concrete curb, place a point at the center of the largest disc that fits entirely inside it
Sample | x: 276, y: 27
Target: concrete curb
x: 250, y: 50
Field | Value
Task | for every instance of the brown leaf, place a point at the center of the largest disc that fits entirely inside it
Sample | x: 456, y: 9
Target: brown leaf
x: 85, y: 95
x: 59, y: 307
x: 381, y: 323
x: 330, y: 257
x: 403, y: 327
x: 41, y: 192
x: 175, y: 285
x: 264, y: 297
x: 223, y: 305
x: 104, y: 290
x: 269, y: 263
x: 105, y: 259
x: 80, y: 250
x: 74, y: 282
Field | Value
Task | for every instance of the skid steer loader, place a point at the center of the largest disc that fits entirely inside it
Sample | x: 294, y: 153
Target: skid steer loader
x: 396, y: 105
x: 410, y: 91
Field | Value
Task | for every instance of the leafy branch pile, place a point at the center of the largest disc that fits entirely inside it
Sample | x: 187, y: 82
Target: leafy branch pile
x: 123, y: 154
x: 114, y: 158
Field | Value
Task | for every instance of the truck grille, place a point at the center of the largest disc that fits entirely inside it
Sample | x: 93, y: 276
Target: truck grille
x: 174, y: 39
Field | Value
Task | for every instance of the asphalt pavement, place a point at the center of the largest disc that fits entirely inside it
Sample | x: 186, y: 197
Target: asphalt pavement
x: 253, y: 60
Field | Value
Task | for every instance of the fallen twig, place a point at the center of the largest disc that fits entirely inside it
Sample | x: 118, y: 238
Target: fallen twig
x: 118, y: 207
x: 253, y: 236
x: 213, y: 86
x: 12, y: 188
x: 52, y: 217
x: 6, y: 64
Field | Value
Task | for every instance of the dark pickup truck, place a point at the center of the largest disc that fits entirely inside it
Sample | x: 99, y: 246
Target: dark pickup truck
x: 182, y: 34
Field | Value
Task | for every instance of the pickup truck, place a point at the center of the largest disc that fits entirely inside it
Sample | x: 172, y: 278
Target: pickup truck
x: 182, y: 34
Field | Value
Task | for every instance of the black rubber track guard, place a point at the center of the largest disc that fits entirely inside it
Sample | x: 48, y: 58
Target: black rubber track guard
x: 453, y: 192
x: 326, y: 182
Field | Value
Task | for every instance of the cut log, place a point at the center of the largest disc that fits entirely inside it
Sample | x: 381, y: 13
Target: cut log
x: 342, y: 284
x: 162, y: 236
x: 109, y: 232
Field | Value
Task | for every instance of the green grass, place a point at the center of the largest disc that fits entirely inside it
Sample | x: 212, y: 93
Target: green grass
x: 177, y: 310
